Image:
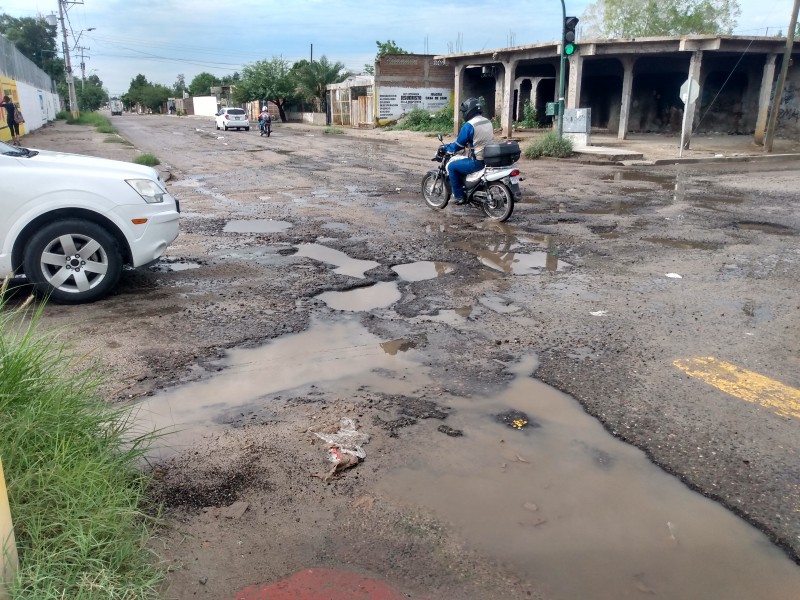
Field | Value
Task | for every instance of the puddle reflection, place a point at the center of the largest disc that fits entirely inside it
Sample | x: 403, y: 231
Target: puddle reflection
x: 380, y: 295
x: 423, y: 270
x: 344, y: 264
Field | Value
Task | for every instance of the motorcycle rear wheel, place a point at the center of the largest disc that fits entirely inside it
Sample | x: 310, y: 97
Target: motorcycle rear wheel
x: 435, y: 190
x: 499, y: 202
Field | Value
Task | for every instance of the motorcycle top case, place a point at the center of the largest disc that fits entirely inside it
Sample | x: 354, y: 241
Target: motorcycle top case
x: 501, y: 155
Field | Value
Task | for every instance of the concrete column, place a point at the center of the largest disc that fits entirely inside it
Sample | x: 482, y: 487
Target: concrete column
x: 767, y: 80
x: 507, y: 114
x: 573, y: 99
x: 518, y: 88
x: 458, y: 97
x: 627, y: 88
x: 695, y: 67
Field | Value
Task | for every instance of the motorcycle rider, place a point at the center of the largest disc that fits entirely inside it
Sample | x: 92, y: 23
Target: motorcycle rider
x: 264, y: 120
x: 474, y: 135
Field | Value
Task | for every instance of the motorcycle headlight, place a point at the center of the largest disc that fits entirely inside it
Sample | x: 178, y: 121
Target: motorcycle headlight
x: 147, y: 189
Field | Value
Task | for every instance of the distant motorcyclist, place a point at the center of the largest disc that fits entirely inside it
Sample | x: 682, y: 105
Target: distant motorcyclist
x: 264, y: 120
x: 475, y: 134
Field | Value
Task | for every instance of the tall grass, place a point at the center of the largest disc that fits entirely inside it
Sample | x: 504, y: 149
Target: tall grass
x: 549, y: 145
x: 150, y: 160
x: 76, y: 495
x: 90, y: 118
x: 419, y: 119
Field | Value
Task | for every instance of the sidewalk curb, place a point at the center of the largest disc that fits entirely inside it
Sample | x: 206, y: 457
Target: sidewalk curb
x: 721, y: 159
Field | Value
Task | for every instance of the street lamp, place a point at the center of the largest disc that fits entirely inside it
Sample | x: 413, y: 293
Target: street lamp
x: 80, y: 33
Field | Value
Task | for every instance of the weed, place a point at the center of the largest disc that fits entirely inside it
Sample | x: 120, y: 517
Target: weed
x: 106, y: 129
x: 549, y: 145
x: 71, y: 466
x: 117, y: 139
x: 151, y: 160
x: 333, y: 131
x: 419, y: 119
x: 63, y: 115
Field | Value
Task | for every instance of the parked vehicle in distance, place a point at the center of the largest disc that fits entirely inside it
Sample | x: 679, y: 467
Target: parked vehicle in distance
x: 230, y: 118
x: 69, y: 223
x: 116, y: 106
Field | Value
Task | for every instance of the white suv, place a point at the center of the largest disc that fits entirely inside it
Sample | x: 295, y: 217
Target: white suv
x: 230, y: 118
x: 70, y: 222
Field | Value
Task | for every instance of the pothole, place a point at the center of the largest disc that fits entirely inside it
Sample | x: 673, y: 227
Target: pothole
x: 256, y: 226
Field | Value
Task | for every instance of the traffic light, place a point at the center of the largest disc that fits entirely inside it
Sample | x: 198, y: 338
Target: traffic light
x: 570, y: 23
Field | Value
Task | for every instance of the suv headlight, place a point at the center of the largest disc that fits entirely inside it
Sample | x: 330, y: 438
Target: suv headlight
x: 147, y: 189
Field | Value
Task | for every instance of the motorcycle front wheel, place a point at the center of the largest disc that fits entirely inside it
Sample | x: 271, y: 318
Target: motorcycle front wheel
x: 435, y: 190
x: 499, y: 202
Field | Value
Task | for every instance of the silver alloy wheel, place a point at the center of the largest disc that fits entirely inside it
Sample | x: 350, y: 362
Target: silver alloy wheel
x: 74, y: 263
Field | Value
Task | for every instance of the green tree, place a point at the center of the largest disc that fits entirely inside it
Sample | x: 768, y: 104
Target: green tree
x: 312, y: 79
x: 155, y: 95
x: 267, y: 80
x: 387, y: 47
x: 202, y: 83
x: 180, y: 86
x: 639, y: 18
x: 36, y: 40
x: 136, y: 90
x: 91, y: 94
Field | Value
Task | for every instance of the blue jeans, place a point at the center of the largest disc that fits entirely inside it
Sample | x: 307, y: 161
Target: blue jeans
x: 458, y: 169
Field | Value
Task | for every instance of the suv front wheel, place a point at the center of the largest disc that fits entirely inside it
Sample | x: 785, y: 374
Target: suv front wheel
x: 72, y: 261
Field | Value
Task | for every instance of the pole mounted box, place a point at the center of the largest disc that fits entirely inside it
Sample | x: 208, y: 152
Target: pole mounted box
x: 552, y: 109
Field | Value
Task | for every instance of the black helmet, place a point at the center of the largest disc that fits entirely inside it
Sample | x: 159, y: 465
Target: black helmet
x: 470, y: 107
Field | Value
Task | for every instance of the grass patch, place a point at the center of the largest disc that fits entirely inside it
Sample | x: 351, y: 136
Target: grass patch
x: 63, y: 115
x: 117, y: 139
x: 549, y: 145
x: 150, y: 160
x: 90, y: 118
x: 106, y: 129
x: 70, y: 460
x: 419, y: 119
x: 333, y: 131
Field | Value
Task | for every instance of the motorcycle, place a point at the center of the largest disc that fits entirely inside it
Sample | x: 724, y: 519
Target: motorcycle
x: 494, y: 189
x: 265, y: 127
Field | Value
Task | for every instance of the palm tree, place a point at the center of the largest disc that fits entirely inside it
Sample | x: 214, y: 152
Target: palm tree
x: 312, y: 78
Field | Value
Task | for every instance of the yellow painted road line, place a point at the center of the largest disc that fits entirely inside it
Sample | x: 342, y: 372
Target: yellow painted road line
x: 743, y: 384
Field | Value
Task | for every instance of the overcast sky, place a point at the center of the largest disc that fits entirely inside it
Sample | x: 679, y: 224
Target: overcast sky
x: 162, y: 38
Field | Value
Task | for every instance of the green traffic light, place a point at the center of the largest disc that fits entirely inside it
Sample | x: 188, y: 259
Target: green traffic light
x: 569, y: 49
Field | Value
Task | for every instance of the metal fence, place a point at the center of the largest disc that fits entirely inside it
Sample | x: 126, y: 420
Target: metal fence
x: 14, y: 65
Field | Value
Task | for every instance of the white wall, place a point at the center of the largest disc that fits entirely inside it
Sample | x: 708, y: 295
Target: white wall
x: 205, y: 106
x: 38, y: 106
x: 310, y: 118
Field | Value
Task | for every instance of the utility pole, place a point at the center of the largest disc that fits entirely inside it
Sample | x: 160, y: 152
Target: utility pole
x: 83, y: 63
x: 73, y: 100
x: 776, y: 101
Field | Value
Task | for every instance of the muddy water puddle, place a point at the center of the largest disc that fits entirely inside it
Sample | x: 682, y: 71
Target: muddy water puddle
x: 380, y: 295
x: 500, y: 257
x: 771, y: 228
x: 665, y: 182
x: 423, y: 270
x: 578, y: 511
x: 560, y: 502
x: 345, y: 265
x: 683, y: 244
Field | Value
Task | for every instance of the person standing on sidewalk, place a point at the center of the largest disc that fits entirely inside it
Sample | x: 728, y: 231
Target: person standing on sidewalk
x: 11, y: 120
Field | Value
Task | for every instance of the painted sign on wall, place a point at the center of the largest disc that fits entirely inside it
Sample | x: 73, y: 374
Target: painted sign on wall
x: 394, y: 102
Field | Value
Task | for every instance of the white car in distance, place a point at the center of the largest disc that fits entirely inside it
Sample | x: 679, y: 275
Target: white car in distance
x: 232, y: 118
x: 70, y: 223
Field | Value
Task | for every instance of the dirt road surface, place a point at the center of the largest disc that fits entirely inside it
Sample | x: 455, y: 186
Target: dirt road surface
x: 597, y: 399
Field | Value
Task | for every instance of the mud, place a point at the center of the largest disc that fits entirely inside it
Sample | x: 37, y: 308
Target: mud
x: 240, y: 358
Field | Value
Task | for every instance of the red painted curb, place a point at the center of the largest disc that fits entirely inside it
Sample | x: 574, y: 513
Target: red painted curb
x: 322, y: 584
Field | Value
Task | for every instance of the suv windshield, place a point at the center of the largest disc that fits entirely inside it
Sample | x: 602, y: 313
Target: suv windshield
x: 235, y: 111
